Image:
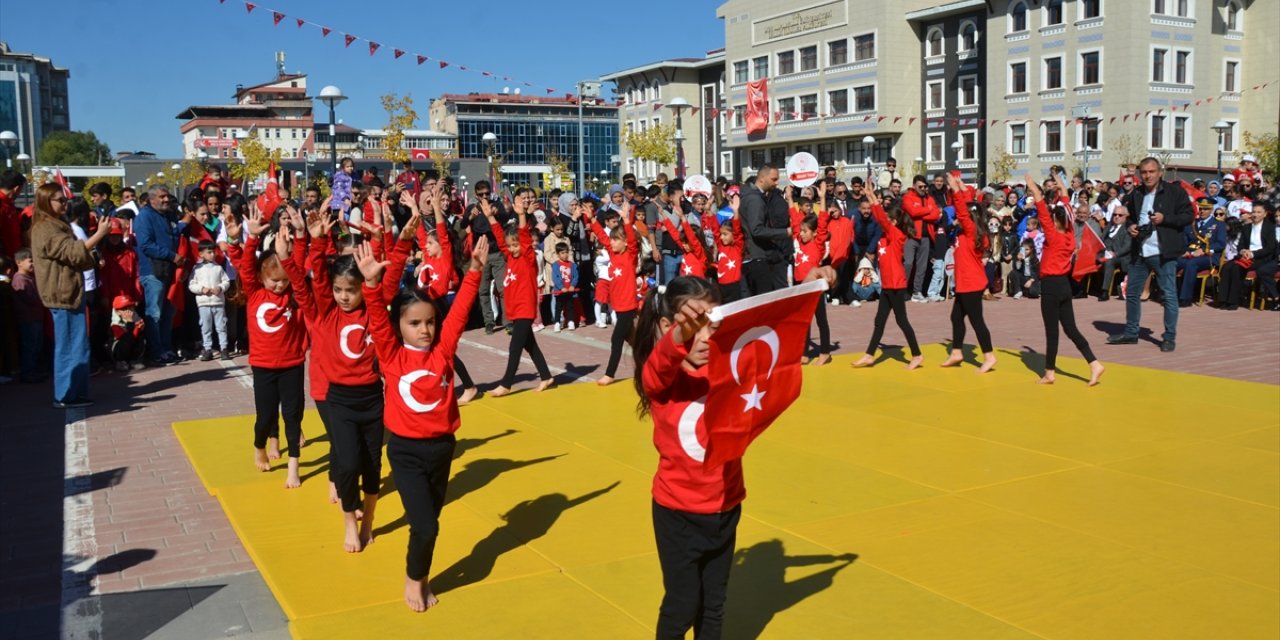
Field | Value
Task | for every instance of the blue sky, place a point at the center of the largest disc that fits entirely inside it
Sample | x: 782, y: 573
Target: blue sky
x: 136, y: 64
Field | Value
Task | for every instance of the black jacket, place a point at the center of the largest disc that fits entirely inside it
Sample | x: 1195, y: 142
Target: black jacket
x: 764, y: 240
x: 1268, y: 251
x: 1175, y: 204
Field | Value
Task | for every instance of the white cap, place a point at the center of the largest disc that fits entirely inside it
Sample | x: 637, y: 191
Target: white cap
x: 1249, y: 157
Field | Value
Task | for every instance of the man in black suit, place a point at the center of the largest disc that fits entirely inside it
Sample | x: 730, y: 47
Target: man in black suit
x: 765, y: 226
x: 1159, y: 213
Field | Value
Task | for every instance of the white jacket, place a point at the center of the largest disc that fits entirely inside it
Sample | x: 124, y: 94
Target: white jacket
x: 209, y: 275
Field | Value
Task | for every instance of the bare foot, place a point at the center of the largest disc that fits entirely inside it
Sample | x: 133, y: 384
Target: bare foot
x: 545, y: 384
x: 806, y: 360
x: 351, y: 534
x: 1049, y: 377
x: 822, y: 359
x: 302, y: 440
x: 418, y: 595
x: 605, y: 381
x: 864, y: 361
x: 366, y: 524
x: 333, y: 493
x: 260, y: 460
x: 956, y: 358
x: 915, y: 362
x: 499, y: 392
x: 988, y: 362
x: 1096, y: 369
x: 273, y: 448
x: 467, y: 396
x: 293, y: 481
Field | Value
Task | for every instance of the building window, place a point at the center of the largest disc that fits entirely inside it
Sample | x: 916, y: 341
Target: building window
x: 1181, y: 71
x: 761, y: 67
x: 1229, y: 76
x: 740, y: 116
x: 740, y: 72
x: 935, y: 43
x: 1018, y: 139
x: 935, y: 95
x: 757, y: 158
x: 1052, y: 137
x: 1157, y: 132
x: 935, y: 148
x: 788, y: 108
x: 826, y: 153
x: 1229, y: 137
x: 1234, y: 22
x: 1180, y: 131
x: 778, y: 156
x: 864, y: 47
x: 786, y: 62
x: 837, y: 52
x: 1090, y: 9
x: 809, y: 58
x: 1018, y: 18
x: 968, y: 91
x: 968, y: 37
x: 1157, y: 7
x: 809, y: 105
x: 856, y: 152
x: 1053, y: 73
x: 864, y: 98
x: 1018, y: 77
x: 968, y: 145
x: 838, y: 102
x: 1157, y: 64
x: 1091, y: 67
x: 1053, y: 13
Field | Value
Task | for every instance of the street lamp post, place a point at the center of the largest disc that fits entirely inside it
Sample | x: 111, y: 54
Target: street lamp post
x: 1222, y: 127
x: 490, y: 147
x: 678, y: 105
x: 868, y: 142
x: 10, y: 140
x: 957, y: 150
x: 1087, y: 150
x: 177, y: 179
x: 331, y: 96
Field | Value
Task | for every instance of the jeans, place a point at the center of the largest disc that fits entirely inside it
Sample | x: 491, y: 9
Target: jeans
x: 939, y: 273
x: 1190, y: 267
x: 864, y: 293
x: 1166, y: 279
x: 916, y: 254
x: 159, y: 313
x: 70, y: 354
x: 670, y: 267
x: 213, y: 319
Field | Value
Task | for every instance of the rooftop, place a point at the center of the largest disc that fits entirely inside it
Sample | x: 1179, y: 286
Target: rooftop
x: 513, y: 98
x: 7, y: 53
x: 712, y: 59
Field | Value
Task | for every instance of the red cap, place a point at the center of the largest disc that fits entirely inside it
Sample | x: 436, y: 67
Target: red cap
x: 117, y: 227
x: 121, y: 302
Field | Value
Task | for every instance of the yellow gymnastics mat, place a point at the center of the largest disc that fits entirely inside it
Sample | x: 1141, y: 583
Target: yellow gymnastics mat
x: 976, y: 506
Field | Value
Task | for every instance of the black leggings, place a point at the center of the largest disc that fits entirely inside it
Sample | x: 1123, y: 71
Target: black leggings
x: 893, y: 300
x: 522, y: 339
x: 355, y: 439
x: 970, y: 305
x: 276, y: 392
x: 730, y: 291
x: 420, y: 468
x: 696, y: 553
x: 127, y: 348
x: 621, y: 333
x: 824, y: 330
x: 1055, y: 308
x: 564, y: 308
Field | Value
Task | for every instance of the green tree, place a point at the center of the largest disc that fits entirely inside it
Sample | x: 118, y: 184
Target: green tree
x: 1003, y: 164
x: 400, y: 116
x: 1266, y: 147
x: 1129, y: 148
x: 257, y: 159
x: 74, y: 148
x: 656, y: 143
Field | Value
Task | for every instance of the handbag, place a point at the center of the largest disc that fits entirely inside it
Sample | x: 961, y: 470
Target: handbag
x: 163, y: 270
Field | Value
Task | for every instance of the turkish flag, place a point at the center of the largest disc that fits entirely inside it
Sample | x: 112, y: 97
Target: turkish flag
x: 419, y: 154
x: 270, y: 198
x: 754, y: 366
x: 1195, y: 193
x: 1087, y: 254
x: 62, y: 181
x: 757, y: 106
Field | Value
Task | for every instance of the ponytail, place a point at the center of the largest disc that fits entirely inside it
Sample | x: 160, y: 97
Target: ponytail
x: 980, y: 228
x: 661, y: 303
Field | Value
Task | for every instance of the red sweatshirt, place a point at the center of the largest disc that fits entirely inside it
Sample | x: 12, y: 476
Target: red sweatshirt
x: 1059, y: 246
x: 971, y: 273
x: 729, y: 258
x: 811, y: 253
x: 694, y: 261
x: 923, y: 209
x: 840, y: 237
x: 10, y: 226
x: 893, y: 275
x: 419, y: 383
x: 520, y: 285
x: 622, y: 267
x: 119, y: 274
x: 277, y: 333
x: 436, y: 277
x: 682, y: 483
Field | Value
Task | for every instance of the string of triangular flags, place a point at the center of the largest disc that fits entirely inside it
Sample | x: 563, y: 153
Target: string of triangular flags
x: 791, y: 116
x: 278, y: 16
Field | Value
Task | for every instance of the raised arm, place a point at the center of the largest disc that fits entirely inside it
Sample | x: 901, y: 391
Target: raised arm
x: 385, y: 343
x: 319, y: 225
x: 298, y: 276
x: 695, y: 243
x: 456, y: 322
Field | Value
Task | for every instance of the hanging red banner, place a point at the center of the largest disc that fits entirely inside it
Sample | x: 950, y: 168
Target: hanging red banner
x: 757, y: 106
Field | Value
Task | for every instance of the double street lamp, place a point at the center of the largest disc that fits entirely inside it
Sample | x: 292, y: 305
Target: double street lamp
x: 1223, y: 128
x: 678, y: 105
x: 331, y: 96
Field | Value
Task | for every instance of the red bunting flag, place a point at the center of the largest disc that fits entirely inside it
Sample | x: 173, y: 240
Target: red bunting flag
x: 551, y: 90
x: 443, y: 64
x: 896, y: 119
x: 1207, y: 100
x: 276, y: 17
x: 348, y: 38
x: 980, y: 124
x: 1087, y: 254
x: 754, y: 368
x: 325, y: 32
x: 866, y: 118
x: 1126, y: 118
x: 881, y: 119
x: 506, y: 78
x: 398, y: 53
x: 422, y: 59
x: 461, y: 68
x: 657, y: 105
x: 1112, y: 120
x: 249, y: 7
x: 911, y: 121
x: 527, y: 84
x: 715, y: 113
x: 373, y: 47
x: 301, y: 22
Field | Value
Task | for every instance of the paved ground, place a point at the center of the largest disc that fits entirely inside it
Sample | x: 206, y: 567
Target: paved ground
x: 104, y: 517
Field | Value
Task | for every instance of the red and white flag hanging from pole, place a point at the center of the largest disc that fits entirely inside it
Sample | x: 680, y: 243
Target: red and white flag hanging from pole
x: 757, y: 106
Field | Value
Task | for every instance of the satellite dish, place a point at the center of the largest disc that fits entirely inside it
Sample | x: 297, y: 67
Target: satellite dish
x: 506, y: 90
x: 517, y: 90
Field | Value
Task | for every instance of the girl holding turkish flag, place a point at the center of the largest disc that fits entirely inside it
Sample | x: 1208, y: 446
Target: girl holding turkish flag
x: 972, y: 245
x: 520, y: 292
x: 893, y: 278
x: 1055, y: 287
x: 624, y: 255
x: 277, y: 340
x: 695, y: 510
x: 415, y: 345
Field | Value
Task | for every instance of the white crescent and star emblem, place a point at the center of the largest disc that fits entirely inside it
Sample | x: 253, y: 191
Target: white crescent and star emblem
x: 510, y: 277
x: 406, y: 391
x: 687, y: 429
x: 883, y: 250
x: 617, y: 273
x: 804, y: 258
x: 768, y: 336
x: 265, y: 326
x: 687, y: 270
x: 344, y: 344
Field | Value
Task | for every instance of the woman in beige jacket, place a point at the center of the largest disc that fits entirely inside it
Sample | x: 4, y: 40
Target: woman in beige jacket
x: 60, y: 260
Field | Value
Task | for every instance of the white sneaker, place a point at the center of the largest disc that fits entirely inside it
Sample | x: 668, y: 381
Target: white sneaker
x: 572, y: 325
x: 917, y: 298
x: 935, y: 299
x: 601, y: 325
x: 539, y: 327
x: 835, y: 302
x: 856, y: 303
x: 557, y: 327
x: 1017, y: 296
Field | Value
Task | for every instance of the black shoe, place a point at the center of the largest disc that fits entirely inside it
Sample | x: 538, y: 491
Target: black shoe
x: 226, y: 355
x: 1167, y: 346
x: 72, y: 404
x: 1104, y: 297
x: 206, y: 355
x: 488, y: 329
x: 1183, y: 304
x: 1120, y: 338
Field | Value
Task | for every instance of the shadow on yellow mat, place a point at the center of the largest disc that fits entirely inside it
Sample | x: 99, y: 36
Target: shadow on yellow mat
x: 885, y: 504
